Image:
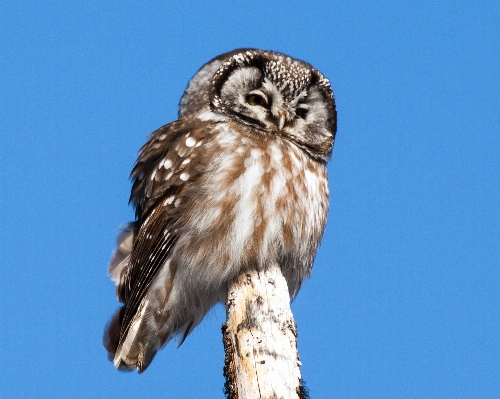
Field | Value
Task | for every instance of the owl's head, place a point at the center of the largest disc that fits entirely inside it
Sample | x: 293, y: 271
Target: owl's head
x: 268, y: 91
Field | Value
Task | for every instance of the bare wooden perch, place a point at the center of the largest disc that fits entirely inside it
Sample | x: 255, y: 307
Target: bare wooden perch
x: 260, y: 339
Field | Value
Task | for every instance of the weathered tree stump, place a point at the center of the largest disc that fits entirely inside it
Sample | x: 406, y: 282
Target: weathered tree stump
x: 260, y: 339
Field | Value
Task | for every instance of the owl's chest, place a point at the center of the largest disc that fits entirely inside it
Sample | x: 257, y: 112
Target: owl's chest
x: 261, y: 196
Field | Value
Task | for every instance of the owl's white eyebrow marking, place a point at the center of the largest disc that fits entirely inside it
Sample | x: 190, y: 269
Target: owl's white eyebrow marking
x: 184, y: 176
x: 190, y: 142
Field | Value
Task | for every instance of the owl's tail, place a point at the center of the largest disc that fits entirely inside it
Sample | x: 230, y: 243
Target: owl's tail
x: 118, y: 269
x: 126, y: 352
x: 152, y: 327
x: 137, y: 348
x: 165, y: 311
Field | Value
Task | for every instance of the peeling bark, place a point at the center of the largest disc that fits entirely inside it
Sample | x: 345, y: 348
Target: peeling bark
x: 260, y: 339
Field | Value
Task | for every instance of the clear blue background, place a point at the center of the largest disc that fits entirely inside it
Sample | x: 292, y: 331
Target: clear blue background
x: 404, y: 300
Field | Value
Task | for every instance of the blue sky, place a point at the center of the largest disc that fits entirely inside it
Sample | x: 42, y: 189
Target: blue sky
x: 404, y: 300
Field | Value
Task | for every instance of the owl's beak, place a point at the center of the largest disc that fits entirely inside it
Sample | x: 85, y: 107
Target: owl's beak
x: 281, y: 121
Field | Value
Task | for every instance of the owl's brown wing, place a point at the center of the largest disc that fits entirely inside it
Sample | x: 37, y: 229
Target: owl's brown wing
x: 166, y: 164
x: 151, y: 177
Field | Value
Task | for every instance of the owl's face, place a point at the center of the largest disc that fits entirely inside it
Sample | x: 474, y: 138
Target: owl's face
x: 273, y: 93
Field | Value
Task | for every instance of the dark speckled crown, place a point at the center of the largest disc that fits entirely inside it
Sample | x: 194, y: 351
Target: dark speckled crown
x: 289, y: 76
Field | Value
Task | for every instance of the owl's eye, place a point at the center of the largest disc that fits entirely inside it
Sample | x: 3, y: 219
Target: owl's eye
x: 301, y: 112
x: 256, y: 97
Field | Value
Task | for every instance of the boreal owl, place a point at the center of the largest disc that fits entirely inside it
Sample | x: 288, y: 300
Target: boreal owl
x: 239, y: 181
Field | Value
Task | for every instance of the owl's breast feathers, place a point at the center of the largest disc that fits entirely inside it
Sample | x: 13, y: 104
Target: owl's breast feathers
x: 259, y: 199
x: 211, y: 200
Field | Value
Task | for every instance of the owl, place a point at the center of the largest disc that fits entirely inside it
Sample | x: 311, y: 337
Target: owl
x: 238, y: 182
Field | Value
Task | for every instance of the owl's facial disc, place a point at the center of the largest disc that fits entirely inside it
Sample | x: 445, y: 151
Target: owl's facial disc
x: 260, y: 102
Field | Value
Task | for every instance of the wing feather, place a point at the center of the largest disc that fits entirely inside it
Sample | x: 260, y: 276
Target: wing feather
x: 160, y: 175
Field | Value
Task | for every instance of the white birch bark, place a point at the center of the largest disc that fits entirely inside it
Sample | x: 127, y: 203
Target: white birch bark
x: 260, y: 339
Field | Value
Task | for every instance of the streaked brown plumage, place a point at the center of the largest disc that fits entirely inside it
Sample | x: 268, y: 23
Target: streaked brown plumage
x: 239, y: 181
